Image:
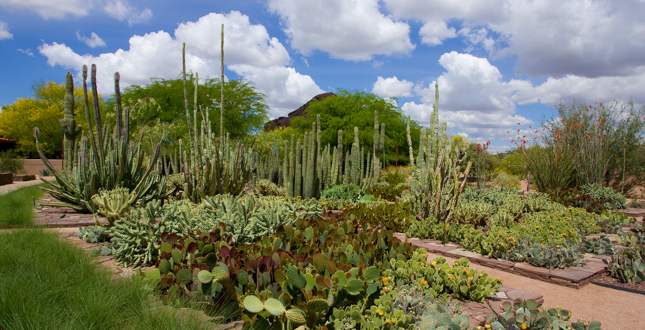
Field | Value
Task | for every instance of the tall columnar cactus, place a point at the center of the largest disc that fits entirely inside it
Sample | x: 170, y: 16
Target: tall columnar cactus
x: 213, y: 166
x: 435, y: 187
x: 308, y: 168
x: 68, y: 126
x: 110, y: 162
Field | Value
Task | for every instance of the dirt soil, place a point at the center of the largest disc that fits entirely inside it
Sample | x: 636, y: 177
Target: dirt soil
x: 608, y: 280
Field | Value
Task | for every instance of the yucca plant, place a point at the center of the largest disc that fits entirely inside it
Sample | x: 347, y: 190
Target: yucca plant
x: 111, y: 161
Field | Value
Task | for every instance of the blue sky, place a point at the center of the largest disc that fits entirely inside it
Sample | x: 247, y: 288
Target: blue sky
x: 497, y: 62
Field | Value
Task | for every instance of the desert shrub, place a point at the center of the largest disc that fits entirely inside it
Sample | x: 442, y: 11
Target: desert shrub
x: 396, y: 217
x: 350, y: 192
x: 10, y: 162
x: 508, y: 181
x: 612, y: 199
x: 264, y: 187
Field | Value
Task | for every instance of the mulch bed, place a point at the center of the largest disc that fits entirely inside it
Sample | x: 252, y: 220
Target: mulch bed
x: 614, y: 283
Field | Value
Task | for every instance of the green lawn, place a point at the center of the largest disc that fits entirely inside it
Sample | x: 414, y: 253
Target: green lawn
x: 17, y: 208
x: 48, y: 284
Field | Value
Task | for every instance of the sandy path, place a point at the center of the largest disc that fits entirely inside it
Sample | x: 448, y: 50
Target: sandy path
x: 615, y: 309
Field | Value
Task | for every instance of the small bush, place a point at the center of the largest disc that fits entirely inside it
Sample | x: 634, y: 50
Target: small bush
x: 508, y: 181
x: 10, y: 162
x: 612, y: 199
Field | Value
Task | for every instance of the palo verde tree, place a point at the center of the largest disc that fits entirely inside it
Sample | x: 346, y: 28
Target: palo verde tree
x: 43, y: 109
x: 349, y: 109
x: 162, y: 103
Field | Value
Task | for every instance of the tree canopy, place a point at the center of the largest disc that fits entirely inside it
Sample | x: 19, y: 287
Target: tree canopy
x: 162, y: 103
x: 42, y: 110
x: 349, y: 109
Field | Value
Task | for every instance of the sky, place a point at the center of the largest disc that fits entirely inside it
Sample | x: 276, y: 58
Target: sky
x: 497, y: 62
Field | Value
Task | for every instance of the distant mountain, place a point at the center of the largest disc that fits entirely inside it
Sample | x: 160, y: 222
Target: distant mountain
x: 286, y: 121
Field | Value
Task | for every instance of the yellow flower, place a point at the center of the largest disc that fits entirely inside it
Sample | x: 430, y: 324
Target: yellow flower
x: 558, y: 307
x: 487, y: 326
x: 524, y: 326
x: 379, y: 312
x: 392, y: 321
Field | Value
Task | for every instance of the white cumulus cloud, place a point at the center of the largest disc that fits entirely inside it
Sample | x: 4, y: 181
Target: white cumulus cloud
x: 124, y: 11
x: 57, y: 9
x: 60, y: 9
x: 285, y: 88
x: 248, y: 50
x: 350, y: 30
x: 243, y: 42
x: 549, y: 37
x: 435, y: 32
x: 93, y: 41
x: 392, y: 87
x: 4, y: 31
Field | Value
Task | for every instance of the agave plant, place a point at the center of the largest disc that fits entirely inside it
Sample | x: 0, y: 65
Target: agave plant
x: 111, y: 161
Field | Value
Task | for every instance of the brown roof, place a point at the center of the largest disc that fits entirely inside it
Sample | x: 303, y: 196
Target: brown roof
x: 286, y: 121
x: 7, y: 141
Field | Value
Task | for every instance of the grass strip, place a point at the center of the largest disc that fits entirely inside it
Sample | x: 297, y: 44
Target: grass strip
x: 17, y: 208
x: 48, y: 284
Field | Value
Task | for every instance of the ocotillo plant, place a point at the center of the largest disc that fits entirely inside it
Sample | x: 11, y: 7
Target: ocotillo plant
x: 110, y: 162
x: 435, y: 187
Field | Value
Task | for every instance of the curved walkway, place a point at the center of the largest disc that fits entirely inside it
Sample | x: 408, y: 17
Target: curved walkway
x: 19, y: 184
x: 615, y: 309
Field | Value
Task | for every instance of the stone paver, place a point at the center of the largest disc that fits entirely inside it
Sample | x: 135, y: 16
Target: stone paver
x: 50, y: 216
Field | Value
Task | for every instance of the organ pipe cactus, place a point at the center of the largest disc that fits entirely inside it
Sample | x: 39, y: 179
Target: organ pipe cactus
x: 68, y: 125
x: 110, y: 162
x: 212, y: 166
x: 436, y: 186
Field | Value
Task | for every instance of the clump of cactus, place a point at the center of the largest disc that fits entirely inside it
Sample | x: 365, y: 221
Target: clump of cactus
x: 136, y: 236
x: 212, y: 166
x: 95, y: 234
x: 435, y: 187
x: 527, y: 314
x: 248, y: 217
x: 113, y: 204
x: 547, y: 256
x: 473, y: 213
x: 110, y: 162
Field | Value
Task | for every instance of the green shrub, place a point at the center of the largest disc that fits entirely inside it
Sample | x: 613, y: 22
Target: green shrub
x: 10, y: 162
x: 396, y: 217
x: 612, y: 199
x: 350, y: 192
x: 508, y: 181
